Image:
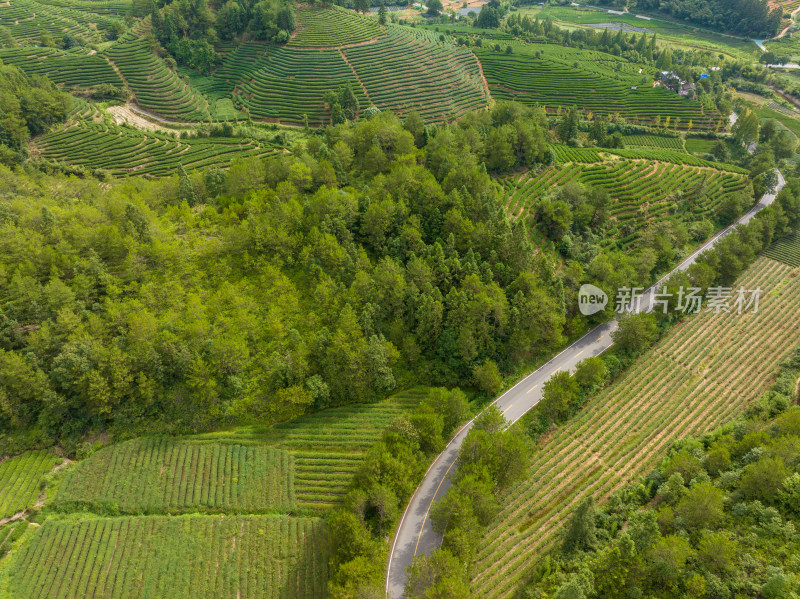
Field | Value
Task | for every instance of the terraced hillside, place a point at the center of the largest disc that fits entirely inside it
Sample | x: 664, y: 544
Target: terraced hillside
x: 124, y: 150
x: 154, y: 86
x: 326, y: 447
x: 595, y: 85
x: 286, y: 83
x: 706, y: 371
x: 641, y: 189
x: 27, y: 20
x: 192, y: 557
x: 72, y: 68
x: 405, y: 71
x: 242, y: 545
x: 321, y: 27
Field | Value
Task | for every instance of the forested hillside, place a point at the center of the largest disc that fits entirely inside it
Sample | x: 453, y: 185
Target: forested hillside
x: 275, y: 288
x: 746, y: 17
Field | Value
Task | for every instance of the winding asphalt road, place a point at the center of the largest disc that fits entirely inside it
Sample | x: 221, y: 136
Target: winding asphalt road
x: 414, y: 534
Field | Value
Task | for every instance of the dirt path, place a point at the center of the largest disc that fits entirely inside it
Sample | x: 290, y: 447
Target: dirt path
x: 355, y: 74
x: 126, y: 114
x: 39, y: 501
x: 785, y: 30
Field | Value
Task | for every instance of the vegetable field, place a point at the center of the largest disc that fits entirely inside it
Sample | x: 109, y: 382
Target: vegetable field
x: 786, y: 250
x: 125, y: 150
x: 191, y: 557
x: 704, y: 373
x: 403, y: 71
x: 21, y: 478
x: 159, y: 475
x: 641, y: 190
x: 553, y: 80
x: 333, y: 27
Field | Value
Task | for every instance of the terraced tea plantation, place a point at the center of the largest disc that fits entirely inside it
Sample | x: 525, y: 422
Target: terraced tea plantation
x: 327, y: 447
x: 26, y: 20
x: 653, y: 141
x: 333, y: 27
x: 72, y: 69
x: 124, y: 150
x: 166, y: 476
x: 552, y: 80
x: 705, y: 372
x: 21, y: 480
x: 404, y: 71
x: 153, y: 84
x: 197, y: 557
x: 786, y: 250
x: 641, y: 189
x: 286, y: 84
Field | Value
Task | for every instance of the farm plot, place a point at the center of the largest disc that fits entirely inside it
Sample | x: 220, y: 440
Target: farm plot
x: 328, y: 446
x: 191, y: 557
x: 786, y: 250
x: 333, y: 27
x: 72, y: 69
x: 704, y: 373
x: 124, y: 150
x: 590, y: 86
x: 640, y: 190
x: 402, y: 72
x: 285, y: 84
x: 159, y: 475
x: 653, y: 141
x: 153, y: 84
x: 28, y: 19
x: 21, y: 480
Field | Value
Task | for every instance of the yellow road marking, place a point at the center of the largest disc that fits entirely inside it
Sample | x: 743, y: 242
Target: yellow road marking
x: 421, y: 528
x: 507, y: 409
x: 531, y: 389
x: 579, y: 353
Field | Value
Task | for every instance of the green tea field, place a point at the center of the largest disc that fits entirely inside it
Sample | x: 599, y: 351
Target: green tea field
x: 702, y: 374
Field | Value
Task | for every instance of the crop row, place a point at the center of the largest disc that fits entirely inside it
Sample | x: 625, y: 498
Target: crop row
x: 153, y: 84
x: 21, y: 480
x: 287, y: 83
x: 159, y: 475
x: 327, y: 446
x: 68, y: 68
x: 197, y: 557
x: 124, y: 150
x: 28, y: 19
x: 402, y: 72
x: 786, y: 250
x: 333, y: 27
x: 700, y: 376
x: 640, y: 190
x: 654, y: 141
x: 552, y: 84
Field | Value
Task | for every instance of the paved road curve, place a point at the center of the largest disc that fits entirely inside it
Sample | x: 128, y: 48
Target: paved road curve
x: 414, y: 535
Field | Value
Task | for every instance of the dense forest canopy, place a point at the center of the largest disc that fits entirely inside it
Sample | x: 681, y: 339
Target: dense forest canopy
x: 28, y: 105
x: 275, y: 288
x: 752, y: 18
